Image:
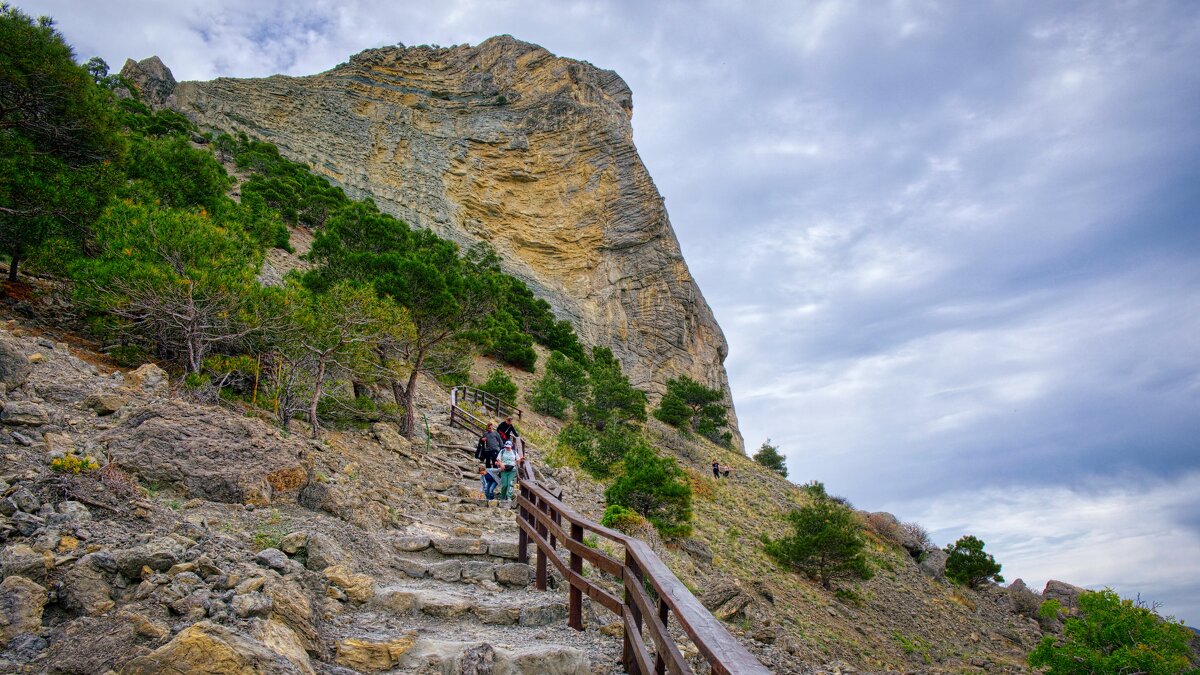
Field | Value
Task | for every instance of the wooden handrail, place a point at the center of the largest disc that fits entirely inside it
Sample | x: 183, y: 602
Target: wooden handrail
x: 547, y: 522
x: 488, y: 401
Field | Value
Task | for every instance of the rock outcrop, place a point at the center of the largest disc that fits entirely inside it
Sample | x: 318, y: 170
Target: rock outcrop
x: 506, y: 143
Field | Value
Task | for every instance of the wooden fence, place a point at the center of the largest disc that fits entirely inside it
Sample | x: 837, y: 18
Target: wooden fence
x: 650, y: 593
x: 488, y: 402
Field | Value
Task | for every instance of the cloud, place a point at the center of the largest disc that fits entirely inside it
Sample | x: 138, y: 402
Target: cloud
x: 1108, y: 533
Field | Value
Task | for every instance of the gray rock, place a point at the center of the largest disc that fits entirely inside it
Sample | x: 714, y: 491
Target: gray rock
x: 460, y: 546
x: 450, y: 570
x: 411, y: 544
x: 543, y: 615
x: 22, y: 561
x: 25, y: 500
x: 158, y: 554
x: 514, y: 574
x: 25, y: 413
x: 478, y: 660
x: 933, y: 564
x: 26, y: 647
x: 478, y: 570
x: 84, y: 589
x: 21, y: 604
x: 395, y: 599
x: 27, y: 524
x: 292, y: 543
x: 21, y: 438
x: 417, y: 569
x: 551, y: 660
x: 273, y: 558
x: 503, y: 549
x: 213, y: 454
x: 443, y: 606
x: 252, y: 604
x: 500, y: 616
x: 105, y: 403
x: 325, y: 552
x: 697, y: 549
x: 14, y: 366
x: 1066, y: 594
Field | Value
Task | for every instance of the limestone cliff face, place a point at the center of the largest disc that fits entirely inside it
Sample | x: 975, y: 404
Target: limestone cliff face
x: 507, y: 143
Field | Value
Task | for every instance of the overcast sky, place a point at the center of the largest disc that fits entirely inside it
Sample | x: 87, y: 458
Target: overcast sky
x: 954, y: 245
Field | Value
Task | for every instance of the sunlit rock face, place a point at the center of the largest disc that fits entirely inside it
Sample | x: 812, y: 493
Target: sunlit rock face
x: 507, y: 143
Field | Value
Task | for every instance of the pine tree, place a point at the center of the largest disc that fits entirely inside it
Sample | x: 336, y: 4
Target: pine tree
x: 768, y: 455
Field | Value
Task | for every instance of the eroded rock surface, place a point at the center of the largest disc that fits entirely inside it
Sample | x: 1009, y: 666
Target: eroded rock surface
x: 506, y: 143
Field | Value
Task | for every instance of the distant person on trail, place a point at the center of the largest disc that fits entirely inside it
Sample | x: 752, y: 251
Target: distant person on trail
x: 487, y: 481
x: 508, y: 462
x: 726, y: 470
x: 716, y: 469
x: 507, y: 430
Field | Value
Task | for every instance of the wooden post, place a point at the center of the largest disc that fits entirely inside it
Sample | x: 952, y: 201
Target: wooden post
x: 540, y: 578
x: 660, y: 663
x: 629, y: 659
x: 575, y: 600
x: 522, y: 536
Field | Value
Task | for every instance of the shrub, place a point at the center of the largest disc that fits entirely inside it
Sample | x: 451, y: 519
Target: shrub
x: 500, y: 385
x: 917, y: 533
x: 692, y: 406
x: 826, y: 544
x: 563, y: 382
x: 1112, y: 635
x: 966, y: 563
x: 654, y: 487
x: 599, y: 452
x: 620, y: 518
x: 73, y: 464
x: 768, y: 455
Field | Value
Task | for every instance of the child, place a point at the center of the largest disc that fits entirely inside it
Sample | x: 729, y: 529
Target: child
x: 488, y: 482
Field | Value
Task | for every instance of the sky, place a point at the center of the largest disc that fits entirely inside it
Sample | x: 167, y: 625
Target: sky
x: 954, y: 246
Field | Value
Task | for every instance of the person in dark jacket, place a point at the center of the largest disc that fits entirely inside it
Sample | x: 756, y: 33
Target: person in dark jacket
x: 507, y: 430
x: 492, y: 442
x: 716, y: 466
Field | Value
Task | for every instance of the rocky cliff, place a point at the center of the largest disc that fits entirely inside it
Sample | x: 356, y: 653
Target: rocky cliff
x: 502, y: 142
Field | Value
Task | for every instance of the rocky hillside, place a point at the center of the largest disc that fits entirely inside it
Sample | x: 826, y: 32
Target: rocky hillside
x: 502, y: 142
x: 211, y: 542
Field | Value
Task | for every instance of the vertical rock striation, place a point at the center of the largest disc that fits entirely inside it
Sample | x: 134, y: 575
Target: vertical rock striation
x: 507, y: 143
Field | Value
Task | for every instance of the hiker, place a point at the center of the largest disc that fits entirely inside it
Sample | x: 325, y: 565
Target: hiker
x: 507, y: 431
x: 481, y: 448
x: 491, y: 445
x: 508, y: 462
x: 488, y: 482
x: 726, y: 470
x: 716, y: 466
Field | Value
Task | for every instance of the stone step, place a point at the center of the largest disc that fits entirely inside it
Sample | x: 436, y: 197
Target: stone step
x: 455, y: 546
x: 479, y: 572
x: 442, y: 600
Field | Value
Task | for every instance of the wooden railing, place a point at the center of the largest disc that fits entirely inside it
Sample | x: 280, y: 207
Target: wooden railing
x: 464, y: 394
x: 541, y: 515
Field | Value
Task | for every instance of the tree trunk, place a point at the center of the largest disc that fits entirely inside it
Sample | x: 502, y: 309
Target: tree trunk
x: 12, y: 268
x: 312, y: 407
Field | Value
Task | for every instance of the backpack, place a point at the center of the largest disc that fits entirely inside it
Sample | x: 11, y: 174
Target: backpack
x: 480, y: 449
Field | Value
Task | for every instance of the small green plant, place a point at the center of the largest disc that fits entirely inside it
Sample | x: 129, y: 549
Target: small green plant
x: 268, y: 537
x: 73, y: 464
x: 913, y: 646
x: 175, y: 504
x: 848, y: 596
x: 591, y: 540
x: 152, y: 488
x: 195, y: 381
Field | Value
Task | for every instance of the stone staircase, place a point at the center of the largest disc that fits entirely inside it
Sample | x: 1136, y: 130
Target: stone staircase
x: 459, y: 605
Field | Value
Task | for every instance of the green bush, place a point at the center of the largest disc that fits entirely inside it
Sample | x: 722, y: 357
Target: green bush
x: 500, y: 385
x: 768, y: 455
x: 1115, y: 636
x: 620, y: 518
x: 599, y: 452
x: 966, y: 563
x: 691, y: 406
x: 656, y: 488
x: 563, y: 383
x: 826, y: 543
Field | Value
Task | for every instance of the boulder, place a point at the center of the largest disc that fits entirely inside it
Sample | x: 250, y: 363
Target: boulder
x: 149, y: 379
x: 324, y: 552
x: 85, y: 590
x: 21, y: 604
x: 544, y: 615
x: 358, y: 587
x: 14, y: 366
x: 273, y: 558
x: 396, y: 599
x: 206, y: 647
x: 284, y: 641
x: 374, y: 655
x: 210, y: 452
x: 158, y: 555
x: 293, y: 542
x: 1066, y: 594
x: 550, y: 660
x: 24, y: 413
x: 933, y: 563
x: 252, y: 604
x: 478, y: 660
x: 291, y: 607
x: 22, y: 561
x: 105, y: 403
x: 514, y: 574
x: 391, y: 439
x: 152, y: 78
